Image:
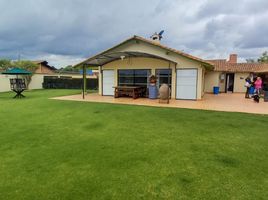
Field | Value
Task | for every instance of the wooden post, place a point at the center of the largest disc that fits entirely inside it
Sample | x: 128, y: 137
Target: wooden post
x: 84, y: 80
x: 169, y: 82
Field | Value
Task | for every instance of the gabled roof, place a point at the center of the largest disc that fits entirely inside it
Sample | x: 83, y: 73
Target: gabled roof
x: 44, y: 63
x: 224, y: 66
x: 138, y: 38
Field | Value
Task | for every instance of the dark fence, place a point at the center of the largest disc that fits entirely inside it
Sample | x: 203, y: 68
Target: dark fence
x: 54, y: 82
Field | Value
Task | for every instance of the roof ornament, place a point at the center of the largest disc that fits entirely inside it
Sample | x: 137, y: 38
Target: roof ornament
x: 157, y: 36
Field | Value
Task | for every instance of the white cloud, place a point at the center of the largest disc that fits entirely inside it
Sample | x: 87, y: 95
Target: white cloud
x: 60, y: 60
x: 64, y: 31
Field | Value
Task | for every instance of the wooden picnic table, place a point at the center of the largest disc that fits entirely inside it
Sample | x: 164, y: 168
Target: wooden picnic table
x: 130, y: 91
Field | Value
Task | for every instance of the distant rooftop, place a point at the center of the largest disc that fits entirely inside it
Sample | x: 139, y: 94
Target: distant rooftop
x: 232, y: 65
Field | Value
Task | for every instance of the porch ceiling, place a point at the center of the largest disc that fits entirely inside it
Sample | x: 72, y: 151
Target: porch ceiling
x: 105, y: 58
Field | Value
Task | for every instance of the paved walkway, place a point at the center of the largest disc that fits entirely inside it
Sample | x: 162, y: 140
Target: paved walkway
x: 221, y: 102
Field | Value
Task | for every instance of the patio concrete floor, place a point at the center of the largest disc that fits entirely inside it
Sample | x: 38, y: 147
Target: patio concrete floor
x: 221, y: 102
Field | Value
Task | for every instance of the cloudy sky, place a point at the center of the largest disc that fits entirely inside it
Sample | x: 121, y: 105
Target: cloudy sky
x: 67, y: 31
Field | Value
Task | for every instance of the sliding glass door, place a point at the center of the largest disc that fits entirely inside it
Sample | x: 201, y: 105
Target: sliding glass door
x: 133, y: 77
x: 164, y: 76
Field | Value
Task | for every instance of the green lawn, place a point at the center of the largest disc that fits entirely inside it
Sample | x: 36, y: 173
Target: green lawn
x: 52, y: 149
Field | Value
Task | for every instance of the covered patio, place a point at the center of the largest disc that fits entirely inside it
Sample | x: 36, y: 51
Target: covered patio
x: 104, y: 58
x: 222, y: 102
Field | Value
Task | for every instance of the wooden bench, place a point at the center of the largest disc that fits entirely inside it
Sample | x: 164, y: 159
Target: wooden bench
x: 129, y: 91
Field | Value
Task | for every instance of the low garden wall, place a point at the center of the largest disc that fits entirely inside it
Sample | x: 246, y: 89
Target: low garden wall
x: 51, y: 82
x: 56, y: 81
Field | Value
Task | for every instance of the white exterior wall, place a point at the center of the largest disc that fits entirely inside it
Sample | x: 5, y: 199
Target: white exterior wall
x: 36, y: 81
x: 5, y: 83
x: 239, y: 82
x: 211, y: 79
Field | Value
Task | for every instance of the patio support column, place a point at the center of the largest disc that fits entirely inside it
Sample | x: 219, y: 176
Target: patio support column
x: 169, y: 81
x: 153, y: 72
x: 84, y: 81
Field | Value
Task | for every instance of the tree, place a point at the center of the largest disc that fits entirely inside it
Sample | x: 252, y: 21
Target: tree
x: 263, y: 58
x: 28, y: 65
x: 5, y: 64
x: 70, y: 68
x: 250, y: 60
x: 25, y: 64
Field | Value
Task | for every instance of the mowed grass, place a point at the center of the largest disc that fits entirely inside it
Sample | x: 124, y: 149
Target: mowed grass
x: 52, y: 149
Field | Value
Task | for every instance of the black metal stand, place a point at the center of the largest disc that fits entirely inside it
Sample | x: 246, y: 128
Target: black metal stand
x: 18, y: 94
x: 18, y: 86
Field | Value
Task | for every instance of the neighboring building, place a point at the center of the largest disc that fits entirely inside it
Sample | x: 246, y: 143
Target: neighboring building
x: 230, y: 75
x: 134, y: 60
x: 44, y: 68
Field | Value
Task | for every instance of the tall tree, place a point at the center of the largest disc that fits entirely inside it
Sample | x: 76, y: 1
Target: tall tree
x: 263, y: 58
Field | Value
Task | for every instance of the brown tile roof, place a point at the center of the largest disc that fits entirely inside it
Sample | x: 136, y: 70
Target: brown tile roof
x: 224, y: 66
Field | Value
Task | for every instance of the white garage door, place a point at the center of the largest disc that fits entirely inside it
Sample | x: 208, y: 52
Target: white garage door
x: 108, y: 82
x: 186, y: 84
